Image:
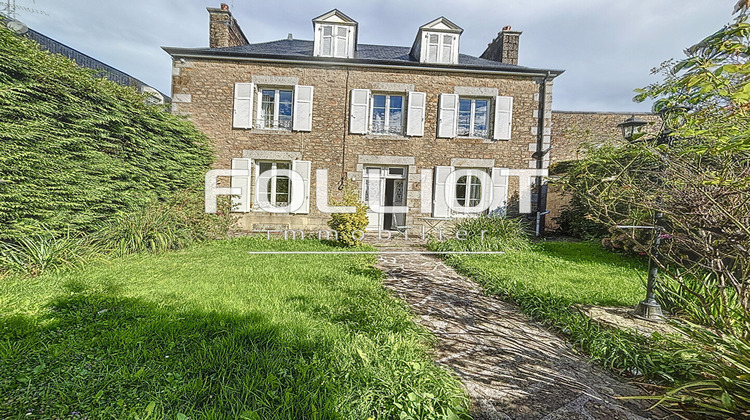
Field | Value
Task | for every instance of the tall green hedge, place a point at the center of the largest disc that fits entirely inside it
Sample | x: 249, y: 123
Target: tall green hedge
x: 76, y: 150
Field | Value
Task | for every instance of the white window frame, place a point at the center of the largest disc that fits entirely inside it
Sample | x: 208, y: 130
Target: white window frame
x: 335, y: 37
x: 469, y: 201
x: 261, y: 121
x: 472, y: 117
x: 386, y: 123
x: 441, y: 47
x: 272, y: 184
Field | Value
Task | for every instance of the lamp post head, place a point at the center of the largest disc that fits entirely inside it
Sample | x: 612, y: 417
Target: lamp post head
x: 631, y: 127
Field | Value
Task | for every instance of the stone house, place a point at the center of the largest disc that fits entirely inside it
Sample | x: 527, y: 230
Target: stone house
x: 396, y: 121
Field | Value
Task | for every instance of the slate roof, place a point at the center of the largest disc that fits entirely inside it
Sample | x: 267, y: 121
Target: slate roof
x: 296, y: 49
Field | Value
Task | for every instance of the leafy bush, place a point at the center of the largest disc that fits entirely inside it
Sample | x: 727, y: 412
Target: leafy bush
x: 574, y: 221
x: 345, y: 224
x: 34, y: 254
x: 485, y: 233
x: 77, y: 150
x: 163, y: 226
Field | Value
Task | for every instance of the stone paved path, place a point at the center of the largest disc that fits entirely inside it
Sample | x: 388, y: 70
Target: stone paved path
x: 511, y: 367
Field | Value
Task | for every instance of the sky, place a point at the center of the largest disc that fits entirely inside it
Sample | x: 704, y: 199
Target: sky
x: 607, y: 48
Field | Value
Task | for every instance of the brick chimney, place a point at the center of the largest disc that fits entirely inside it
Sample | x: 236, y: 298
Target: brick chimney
x: 223, y: 30
x: 504, y: 48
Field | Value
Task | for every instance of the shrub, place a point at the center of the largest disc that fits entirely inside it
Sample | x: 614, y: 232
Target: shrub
x: 77, y: 151
x: 345, y: 224
x: 163, y: 226
x: 34, y: 254
x: 486, y: 233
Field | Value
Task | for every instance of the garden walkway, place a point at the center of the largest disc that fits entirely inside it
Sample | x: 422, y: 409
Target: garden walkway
x: 512, y: 367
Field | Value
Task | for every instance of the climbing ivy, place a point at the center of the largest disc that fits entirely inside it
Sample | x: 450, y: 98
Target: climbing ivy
x: 77, y: 150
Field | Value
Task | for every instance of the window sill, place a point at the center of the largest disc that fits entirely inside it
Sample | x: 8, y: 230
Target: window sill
x: 271, y: 131
x: 373, y: 136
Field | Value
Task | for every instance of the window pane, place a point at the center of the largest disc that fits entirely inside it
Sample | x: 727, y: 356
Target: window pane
x: 378, y: 120
x: 464, y: 117
x: 268, y: 97
x: 461, y: 190
x: 397, y: 102
x: 378, y: 101
x: 432, y: 53
x: 341, y: 31
x: 475, y: 192
x: 481, y: 117
x: 341, y: 47
x: 325, y: 49
x: 282, y: 165
x: 395, y: 121
x: 434, y: 38
x: 327, y: 30
x: 264, y: 166
x: 447, y: 56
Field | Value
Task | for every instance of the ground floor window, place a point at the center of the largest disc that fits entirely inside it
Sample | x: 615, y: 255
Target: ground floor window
x: 468, y: 191
x: 278, y: 186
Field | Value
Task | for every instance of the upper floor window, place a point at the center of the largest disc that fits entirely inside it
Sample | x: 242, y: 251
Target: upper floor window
x: 461, y: 116
x: 275, y: 111
x: 387, y: 114
x: 473, y: 118
x: 440, y: 48
x: 335, y: 35
x: 334, y: 41
x: 273, y: 108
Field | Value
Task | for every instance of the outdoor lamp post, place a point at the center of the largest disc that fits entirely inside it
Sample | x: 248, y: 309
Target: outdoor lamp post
x: 648, y: 309
x: 631, y: 127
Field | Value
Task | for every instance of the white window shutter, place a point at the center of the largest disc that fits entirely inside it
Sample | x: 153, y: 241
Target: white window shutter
x: 499, y: 191
x: 302, y: 167
x: 303, y: 102
x: 242, y: 203
x: 243, y: 105
x: 359, y: 109
x: 503, y: 117
x: 415, y: 114
x: 439, y: 203
x: 448, y: 117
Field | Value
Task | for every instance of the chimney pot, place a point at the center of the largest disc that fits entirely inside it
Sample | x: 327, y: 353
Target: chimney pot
x: 289, y: 36
x: 506, y: 28
x: 224, y: 6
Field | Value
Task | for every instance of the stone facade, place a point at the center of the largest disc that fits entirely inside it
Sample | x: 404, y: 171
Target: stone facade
x: 205, y: 87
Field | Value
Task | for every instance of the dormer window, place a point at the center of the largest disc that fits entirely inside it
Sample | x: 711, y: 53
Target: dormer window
x: 334, y: 41
x: 437, y: 42
x: 440, y: 47
x: 335, y: 35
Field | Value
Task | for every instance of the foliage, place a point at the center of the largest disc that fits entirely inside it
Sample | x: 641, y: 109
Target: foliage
x: 696, y: 173
x: 162, y: 226
x: 485, y: 233
x: 723, y: 390
x: 346, y: 225
x: 212, y: 332
x: 32, y: 255
x: 76, y: 150
x: 574, y: 221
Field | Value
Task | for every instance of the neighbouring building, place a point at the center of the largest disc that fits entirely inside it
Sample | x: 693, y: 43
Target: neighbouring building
x: 396, y: 121
x: 82, y: 60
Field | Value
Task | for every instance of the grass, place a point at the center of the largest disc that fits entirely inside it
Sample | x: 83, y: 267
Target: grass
x: 211, y: 332
x: 574, y: 272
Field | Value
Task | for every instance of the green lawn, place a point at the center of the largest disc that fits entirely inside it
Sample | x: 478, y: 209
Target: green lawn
x: 573, y: 272
x: 212, y: 332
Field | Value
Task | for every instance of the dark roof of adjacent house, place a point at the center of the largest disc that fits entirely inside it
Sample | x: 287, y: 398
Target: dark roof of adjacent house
x: 295, y: 49
x: 83, y: 60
